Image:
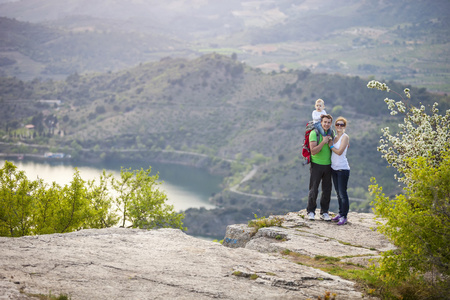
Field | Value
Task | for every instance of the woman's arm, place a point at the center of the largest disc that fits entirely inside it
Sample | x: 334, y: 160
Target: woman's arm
x: 344, y: 144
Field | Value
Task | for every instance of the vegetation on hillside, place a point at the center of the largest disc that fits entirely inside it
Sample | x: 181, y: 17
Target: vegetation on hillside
x: 233, y: 116
x: 212, y: 105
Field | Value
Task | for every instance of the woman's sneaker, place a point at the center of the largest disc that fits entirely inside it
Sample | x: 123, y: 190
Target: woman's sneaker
x: 342, y: 221
x: 311, y: 216
x: 336, y: 218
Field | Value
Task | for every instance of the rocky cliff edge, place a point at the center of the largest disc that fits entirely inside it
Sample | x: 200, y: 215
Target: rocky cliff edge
x: 118, y: 263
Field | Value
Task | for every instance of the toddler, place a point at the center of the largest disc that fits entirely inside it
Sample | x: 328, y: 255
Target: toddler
x: 320, y: 110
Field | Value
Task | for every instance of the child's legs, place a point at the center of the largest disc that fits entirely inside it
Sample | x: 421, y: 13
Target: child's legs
x: 319, y: 127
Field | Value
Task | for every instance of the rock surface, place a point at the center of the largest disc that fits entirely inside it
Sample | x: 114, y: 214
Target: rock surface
x: 118, y: 263
x: 357, y: 239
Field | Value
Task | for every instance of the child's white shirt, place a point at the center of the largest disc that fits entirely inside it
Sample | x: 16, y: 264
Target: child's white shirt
x: 316, y: 115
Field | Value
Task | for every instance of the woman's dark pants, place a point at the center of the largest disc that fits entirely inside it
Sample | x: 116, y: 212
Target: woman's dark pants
x: 340, y: 180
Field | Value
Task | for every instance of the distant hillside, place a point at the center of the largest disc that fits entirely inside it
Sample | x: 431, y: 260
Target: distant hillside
x: 186, y: 19
x: 28, y: 50
x: 213, y: 105
x: 237, y: 116
x: 319, y: 21
x: 400, y: 40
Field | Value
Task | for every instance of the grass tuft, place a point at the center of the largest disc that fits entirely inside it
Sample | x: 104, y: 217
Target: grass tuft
x: 265, y: 222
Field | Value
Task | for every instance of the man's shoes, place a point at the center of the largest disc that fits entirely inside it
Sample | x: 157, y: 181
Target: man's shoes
x: 336, y: 218
x: 342, y: 221
x: 311, y: 216
x: 325, y: 217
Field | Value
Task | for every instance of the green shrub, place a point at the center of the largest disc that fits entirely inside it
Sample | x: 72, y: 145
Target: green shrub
x: 34, y: 207
x: 418, y: 220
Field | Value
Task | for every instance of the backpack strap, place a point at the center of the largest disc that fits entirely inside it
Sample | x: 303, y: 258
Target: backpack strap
x: 318, y: 135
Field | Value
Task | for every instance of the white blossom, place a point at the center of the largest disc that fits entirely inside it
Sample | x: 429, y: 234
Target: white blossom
x: 377, y: 85
x: 406, y: 91
x: 420, y: 134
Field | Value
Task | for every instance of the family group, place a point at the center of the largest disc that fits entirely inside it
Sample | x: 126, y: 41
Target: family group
x: 329, y: 165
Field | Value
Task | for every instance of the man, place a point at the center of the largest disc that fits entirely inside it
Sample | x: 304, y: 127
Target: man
x: 320, y: 171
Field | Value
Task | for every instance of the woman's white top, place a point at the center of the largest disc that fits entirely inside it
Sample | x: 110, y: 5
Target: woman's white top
x: 339, y: 162
x: 316, y: 115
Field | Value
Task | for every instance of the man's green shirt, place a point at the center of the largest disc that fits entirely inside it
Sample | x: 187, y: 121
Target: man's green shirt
x: 324, y: 155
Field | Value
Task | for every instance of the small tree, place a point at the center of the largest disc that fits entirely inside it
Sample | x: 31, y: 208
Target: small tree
x: 16, y: 203
x: 102, y: 214
x: 142, y: 203
x: 73, y: 208
x: 47, y: 201
x: 418, y: 221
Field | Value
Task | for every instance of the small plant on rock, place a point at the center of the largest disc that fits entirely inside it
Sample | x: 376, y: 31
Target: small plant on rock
x: 265, y: 222
x: 328, y: 296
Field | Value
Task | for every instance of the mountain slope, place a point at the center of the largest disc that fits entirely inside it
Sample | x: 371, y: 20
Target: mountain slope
x: 217, y: 106
x: 399, y: 40
x: 236, y: 116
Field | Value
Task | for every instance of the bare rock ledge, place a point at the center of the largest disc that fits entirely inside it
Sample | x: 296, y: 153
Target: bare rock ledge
x: 118, y: 263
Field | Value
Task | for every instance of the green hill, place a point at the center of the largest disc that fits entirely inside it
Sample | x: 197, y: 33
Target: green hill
x: 213, y: 105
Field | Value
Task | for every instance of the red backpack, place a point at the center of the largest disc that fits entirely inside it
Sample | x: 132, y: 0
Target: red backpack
x: 306, y: 151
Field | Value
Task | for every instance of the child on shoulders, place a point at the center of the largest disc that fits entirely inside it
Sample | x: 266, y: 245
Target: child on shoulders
x: 320, y: 110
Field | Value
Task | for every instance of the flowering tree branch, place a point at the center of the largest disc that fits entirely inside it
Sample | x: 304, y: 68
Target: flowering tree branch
x: 420, y: 135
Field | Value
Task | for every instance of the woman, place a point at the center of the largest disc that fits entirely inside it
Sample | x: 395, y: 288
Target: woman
x: 340, y: 169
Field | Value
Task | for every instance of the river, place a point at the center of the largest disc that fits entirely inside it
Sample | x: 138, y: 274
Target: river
x: 186, y: 187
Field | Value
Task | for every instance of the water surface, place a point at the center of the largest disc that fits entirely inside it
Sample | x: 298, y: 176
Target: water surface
x: 185, y: 186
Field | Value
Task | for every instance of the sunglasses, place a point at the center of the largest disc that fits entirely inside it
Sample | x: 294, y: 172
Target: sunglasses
x: 340, y: 124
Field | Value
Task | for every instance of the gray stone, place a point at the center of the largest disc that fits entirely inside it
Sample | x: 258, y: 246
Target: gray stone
x: 119, y: 263
x: 357, y: 238
x: 238, y: 235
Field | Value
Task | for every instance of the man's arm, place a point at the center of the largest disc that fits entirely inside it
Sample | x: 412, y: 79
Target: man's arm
x: 315, y: 148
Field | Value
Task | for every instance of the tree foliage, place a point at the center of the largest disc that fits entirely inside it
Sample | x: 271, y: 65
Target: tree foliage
x: 417, y: 221
x: 141, y: 203
x: 34, y: 207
